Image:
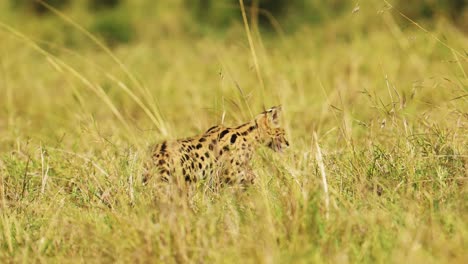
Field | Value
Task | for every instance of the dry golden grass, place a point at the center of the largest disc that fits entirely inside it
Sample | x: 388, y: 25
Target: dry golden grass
x: 388, y: 105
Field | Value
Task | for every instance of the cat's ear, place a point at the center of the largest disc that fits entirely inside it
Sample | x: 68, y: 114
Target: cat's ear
x: 274, y: 115
x: 270, y: 117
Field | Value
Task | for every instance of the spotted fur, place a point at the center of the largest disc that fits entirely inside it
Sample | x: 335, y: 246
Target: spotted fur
x: 221, y: 155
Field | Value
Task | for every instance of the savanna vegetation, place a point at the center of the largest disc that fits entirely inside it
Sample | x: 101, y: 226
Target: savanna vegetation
x: 374, y: 98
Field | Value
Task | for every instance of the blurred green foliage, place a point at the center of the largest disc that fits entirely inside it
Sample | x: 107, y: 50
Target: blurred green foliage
x: 96, y: 5
x: 114, y: 26
x: 106, y: 19
x: 430, y: 8
x: 454, y: 10
x: 36, y: 6
x: 220, y: 14
x: 114, y: 20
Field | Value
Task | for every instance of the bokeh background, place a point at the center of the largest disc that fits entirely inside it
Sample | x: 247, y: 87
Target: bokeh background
x: 121, y: 21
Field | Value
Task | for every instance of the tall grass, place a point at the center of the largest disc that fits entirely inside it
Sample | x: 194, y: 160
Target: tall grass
x: 387, y: 103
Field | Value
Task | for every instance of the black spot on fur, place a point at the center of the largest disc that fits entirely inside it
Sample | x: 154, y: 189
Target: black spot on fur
x: 271, y: 145
x: 241, y: 126
x: 199, y: 165
x: 202, y: 139
x: 199, y: 146
x: 164, y: 171
x: 211, y: 147
x: 207, y: 155
x: 187, y: 178
x: 223, y: 133
x: 233, y: 138
x: 210, y: 129
x: 226, y: 148
x: 163, y: 146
